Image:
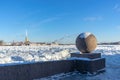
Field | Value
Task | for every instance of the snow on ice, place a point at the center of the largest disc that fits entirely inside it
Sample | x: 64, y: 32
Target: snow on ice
x: 23, y: 54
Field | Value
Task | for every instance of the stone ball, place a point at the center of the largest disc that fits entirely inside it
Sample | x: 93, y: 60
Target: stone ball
x: 86, y: 42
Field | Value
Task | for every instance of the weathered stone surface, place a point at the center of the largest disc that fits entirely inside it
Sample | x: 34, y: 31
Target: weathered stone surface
x: 86, y: 42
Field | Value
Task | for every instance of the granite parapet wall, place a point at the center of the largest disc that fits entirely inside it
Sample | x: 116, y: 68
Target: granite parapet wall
x: 30, y: 71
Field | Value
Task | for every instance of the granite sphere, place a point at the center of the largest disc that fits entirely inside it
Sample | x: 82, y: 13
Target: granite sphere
x: 86, y: 42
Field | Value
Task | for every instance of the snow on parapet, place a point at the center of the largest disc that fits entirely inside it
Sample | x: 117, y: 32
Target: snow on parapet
x: 84, y: 35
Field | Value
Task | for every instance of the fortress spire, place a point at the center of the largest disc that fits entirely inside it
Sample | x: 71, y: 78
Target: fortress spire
x: 26, y: 33
x: 27, y: 42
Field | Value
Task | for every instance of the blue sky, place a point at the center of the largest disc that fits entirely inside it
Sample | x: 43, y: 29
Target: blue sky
x: 49, y: 20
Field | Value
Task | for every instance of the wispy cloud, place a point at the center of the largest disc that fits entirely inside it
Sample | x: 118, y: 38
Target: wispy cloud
x: 44, y: 21
x: 116, y: 7
x: 93, y: 18
x: 33, y: 27
x: 48, y: 20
